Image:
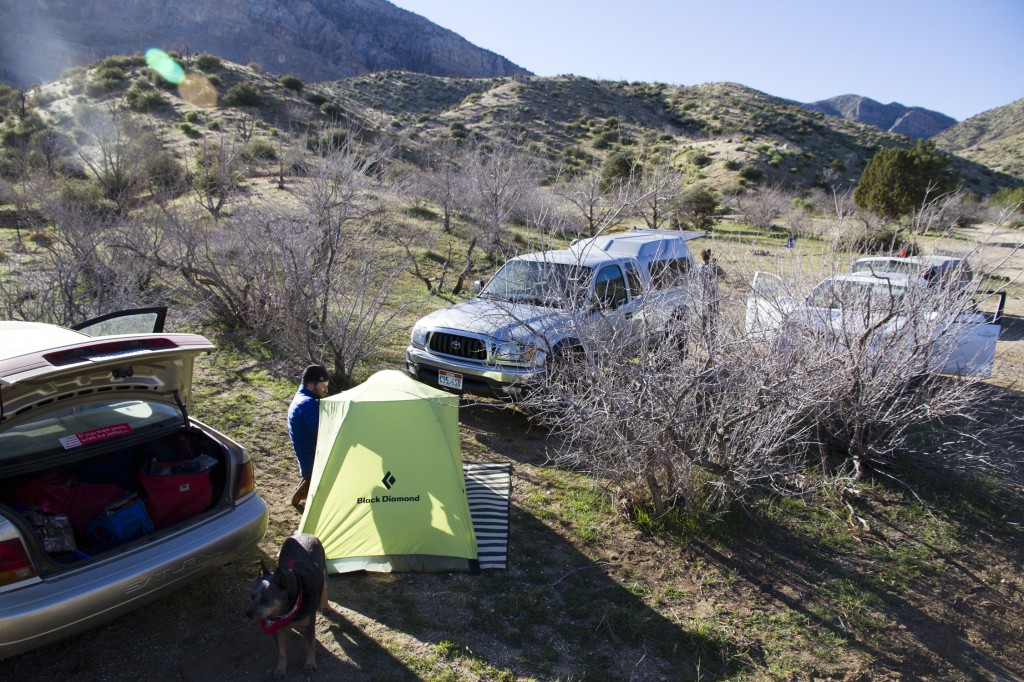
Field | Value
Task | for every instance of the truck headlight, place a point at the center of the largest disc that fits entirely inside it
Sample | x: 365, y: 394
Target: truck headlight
x: 511, y: 351
x: 419, y: 337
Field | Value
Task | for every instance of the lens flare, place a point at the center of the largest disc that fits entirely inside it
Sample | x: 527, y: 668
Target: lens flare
x: 198, y: 91
x: 164, y: 64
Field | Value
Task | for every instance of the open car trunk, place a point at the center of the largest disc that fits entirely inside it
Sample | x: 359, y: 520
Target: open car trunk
x: 108, y: 499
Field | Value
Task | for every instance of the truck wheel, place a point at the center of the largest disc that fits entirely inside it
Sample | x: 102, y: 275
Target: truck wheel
x: 563, y: 361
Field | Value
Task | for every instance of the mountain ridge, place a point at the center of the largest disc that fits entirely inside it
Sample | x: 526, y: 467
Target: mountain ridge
x: 914, y: 122
x: 316, y: 40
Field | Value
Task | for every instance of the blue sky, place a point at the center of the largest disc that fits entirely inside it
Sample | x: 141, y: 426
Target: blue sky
x: 958, y: 58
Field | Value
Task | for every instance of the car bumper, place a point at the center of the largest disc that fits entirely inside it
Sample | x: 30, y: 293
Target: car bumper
x: 79, y: 599
x: 500, y: 382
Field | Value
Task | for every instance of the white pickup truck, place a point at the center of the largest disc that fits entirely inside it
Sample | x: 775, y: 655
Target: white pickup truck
x: 962, y: 338
x: 540, y: 305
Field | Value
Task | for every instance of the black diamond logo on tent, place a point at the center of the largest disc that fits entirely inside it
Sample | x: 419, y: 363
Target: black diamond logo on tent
x: 388, y: 480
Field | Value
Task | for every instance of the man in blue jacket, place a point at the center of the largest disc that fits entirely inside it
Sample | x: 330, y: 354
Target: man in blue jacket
x: 303, y: 423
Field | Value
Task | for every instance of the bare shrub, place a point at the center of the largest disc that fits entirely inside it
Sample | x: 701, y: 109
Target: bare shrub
x: 443, y: 180
x: 657, y: 189
x: 761, y: 207
x: 669, y: 417
x: 117, y: 151
x: 598, y: 206
x: 337, y: 285
x: 81, y: 271
x: 216, y: 174
x: 497, y: 180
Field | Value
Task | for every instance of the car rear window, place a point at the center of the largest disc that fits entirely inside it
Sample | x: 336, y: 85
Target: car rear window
x: 838, y: 294
x: 74, y: 426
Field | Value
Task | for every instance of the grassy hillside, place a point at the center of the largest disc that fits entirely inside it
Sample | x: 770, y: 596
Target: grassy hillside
x: 725, y: 134
x: 993, y: 139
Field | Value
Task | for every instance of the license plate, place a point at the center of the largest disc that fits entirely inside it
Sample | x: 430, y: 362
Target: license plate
x: 452, y: 380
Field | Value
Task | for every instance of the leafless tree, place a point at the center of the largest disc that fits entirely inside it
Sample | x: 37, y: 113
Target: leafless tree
x: 246, y: 122
x: 658, y: 186
x: 599, y: 208
x: 442, y: 180
x: 437, y: 284
x: 229, y: 268
x: 218, y: 169
x: 339, y: 274
x: 117, y: 152
x: 761, y: 207
x: 497, y: 179
x: 80, y: 272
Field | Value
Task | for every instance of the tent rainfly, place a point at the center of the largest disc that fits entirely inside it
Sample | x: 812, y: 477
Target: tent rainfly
x: 388, y: 491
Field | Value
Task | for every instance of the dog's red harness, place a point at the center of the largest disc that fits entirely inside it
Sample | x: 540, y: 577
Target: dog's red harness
x: 272, y: 624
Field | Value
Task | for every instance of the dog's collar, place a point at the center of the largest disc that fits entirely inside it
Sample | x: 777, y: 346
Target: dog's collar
x: 272, y: 624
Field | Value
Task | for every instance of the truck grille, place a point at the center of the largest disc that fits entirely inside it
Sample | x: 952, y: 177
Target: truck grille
x: 459, y: 346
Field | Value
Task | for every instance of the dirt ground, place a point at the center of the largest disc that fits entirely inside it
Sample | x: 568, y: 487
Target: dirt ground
x: 963, y: 620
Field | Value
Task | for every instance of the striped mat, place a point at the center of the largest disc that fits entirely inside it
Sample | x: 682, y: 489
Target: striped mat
x: 488, y: 487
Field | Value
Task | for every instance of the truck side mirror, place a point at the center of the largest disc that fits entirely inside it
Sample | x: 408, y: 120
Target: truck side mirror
x: 478, y: 285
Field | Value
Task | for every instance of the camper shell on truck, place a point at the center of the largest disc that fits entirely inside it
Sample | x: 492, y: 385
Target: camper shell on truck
x: 540, y: 305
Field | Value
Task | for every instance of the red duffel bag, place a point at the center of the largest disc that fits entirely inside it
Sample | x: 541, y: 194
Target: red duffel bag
x: 63, y: 494
x: 177, y: 490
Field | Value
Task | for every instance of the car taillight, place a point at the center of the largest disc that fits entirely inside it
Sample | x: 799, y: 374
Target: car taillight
x: 14, y: 563
x: 246, y: 480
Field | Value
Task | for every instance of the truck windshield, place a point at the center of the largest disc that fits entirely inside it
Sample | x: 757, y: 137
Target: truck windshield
x: 555, y: 285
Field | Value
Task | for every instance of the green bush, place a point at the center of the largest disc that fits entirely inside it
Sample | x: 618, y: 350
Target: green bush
x: 165, y: 171
x: 751, y: 173
x: 457, y: 130
x: 108, y: 72
x: 207, y: 62
x: 327, y: 140
x: 106, y: 80
x: 332, y: 110
x: 698, y: 158
x: 193, y: 116
x: 260, y: 149
x: 1009, y: 197
x: 145, y: 98
x: 291, y: 83
x: 619, y: 168
x: 122, y: 61
x: 243, y: 95
x: 189, y: 130
x: 316, y: 98
x: 96, y: 89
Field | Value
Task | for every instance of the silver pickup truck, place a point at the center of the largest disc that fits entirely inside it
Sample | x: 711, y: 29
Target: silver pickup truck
x: 540, y: 305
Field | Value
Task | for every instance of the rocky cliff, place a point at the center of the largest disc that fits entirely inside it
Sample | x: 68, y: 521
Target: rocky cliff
x: 315, y: 40
x: 914, y: 122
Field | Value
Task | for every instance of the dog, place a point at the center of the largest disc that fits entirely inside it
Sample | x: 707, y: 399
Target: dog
x: 291, y: 595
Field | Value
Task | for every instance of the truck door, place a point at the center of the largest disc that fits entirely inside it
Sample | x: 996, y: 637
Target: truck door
x: 968, y: 346
x: 613, y: 308
x: 768, y: 303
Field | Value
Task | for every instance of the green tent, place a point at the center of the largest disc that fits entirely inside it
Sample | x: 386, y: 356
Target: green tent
x: 387, y: 491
